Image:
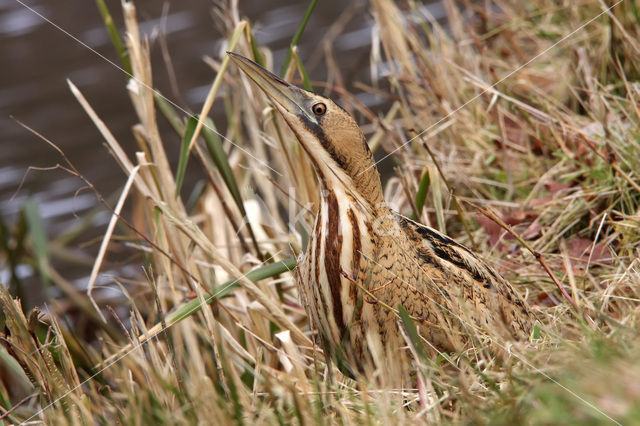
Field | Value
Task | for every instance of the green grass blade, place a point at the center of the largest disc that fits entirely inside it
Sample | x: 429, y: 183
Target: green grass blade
x: 257, y: 56
x: 184, y: 153
x: 536, y: 333
x: 114, y: 36
x: 38, y: 238
x: 412, y: 332
x: 12, y: 242
x: 423, y: 188
x: 168, y: 112
x: 297, y: 36
x: 220, y: 159
x: 306, y: 83
x: 436, y: 192
x: 224, y: 289
x: 194, y: 197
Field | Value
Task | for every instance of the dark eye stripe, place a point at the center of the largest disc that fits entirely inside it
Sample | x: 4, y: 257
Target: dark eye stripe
x: 320, y: 135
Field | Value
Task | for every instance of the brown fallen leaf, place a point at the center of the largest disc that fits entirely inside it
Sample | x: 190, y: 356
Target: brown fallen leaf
x: 580, y: 248
x: 553, y: 186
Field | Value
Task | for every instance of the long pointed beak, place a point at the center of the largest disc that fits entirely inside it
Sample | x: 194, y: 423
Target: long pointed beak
x: 287, y: 96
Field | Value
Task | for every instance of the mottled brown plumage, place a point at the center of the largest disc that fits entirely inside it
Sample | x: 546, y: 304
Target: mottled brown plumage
x: 364, y: 260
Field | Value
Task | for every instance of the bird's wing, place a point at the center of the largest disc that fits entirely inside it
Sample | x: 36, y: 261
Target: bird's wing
x: 451, y: 252
x: 470, y: 277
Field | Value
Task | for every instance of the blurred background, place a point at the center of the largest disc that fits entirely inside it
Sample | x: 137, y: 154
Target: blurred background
x: 38, y: 58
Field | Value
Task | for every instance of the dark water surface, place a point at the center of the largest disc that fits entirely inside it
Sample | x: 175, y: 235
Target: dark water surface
x: 37, y: 59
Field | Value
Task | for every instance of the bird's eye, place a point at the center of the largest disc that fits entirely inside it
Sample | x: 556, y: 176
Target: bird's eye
x: 319, y: 108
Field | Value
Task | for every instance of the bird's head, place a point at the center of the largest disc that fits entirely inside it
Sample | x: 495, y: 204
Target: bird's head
x: 329, y: 135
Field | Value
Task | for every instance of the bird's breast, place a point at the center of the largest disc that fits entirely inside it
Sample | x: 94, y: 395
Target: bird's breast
x: 336, y: 264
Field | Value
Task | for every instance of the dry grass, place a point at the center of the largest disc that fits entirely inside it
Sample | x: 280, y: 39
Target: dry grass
x: 551, y: 148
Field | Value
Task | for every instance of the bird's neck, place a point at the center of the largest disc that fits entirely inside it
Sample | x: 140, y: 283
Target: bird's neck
x: 366, y: 181
x: 361, y: 183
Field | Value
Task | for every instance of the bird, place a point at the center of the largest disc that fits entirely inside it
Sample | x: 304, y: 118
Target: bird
x: 365, y: 263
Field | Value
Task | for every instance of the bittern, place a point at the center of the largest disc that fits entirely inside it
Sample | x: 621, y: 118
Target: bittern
x: 365, y: 261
